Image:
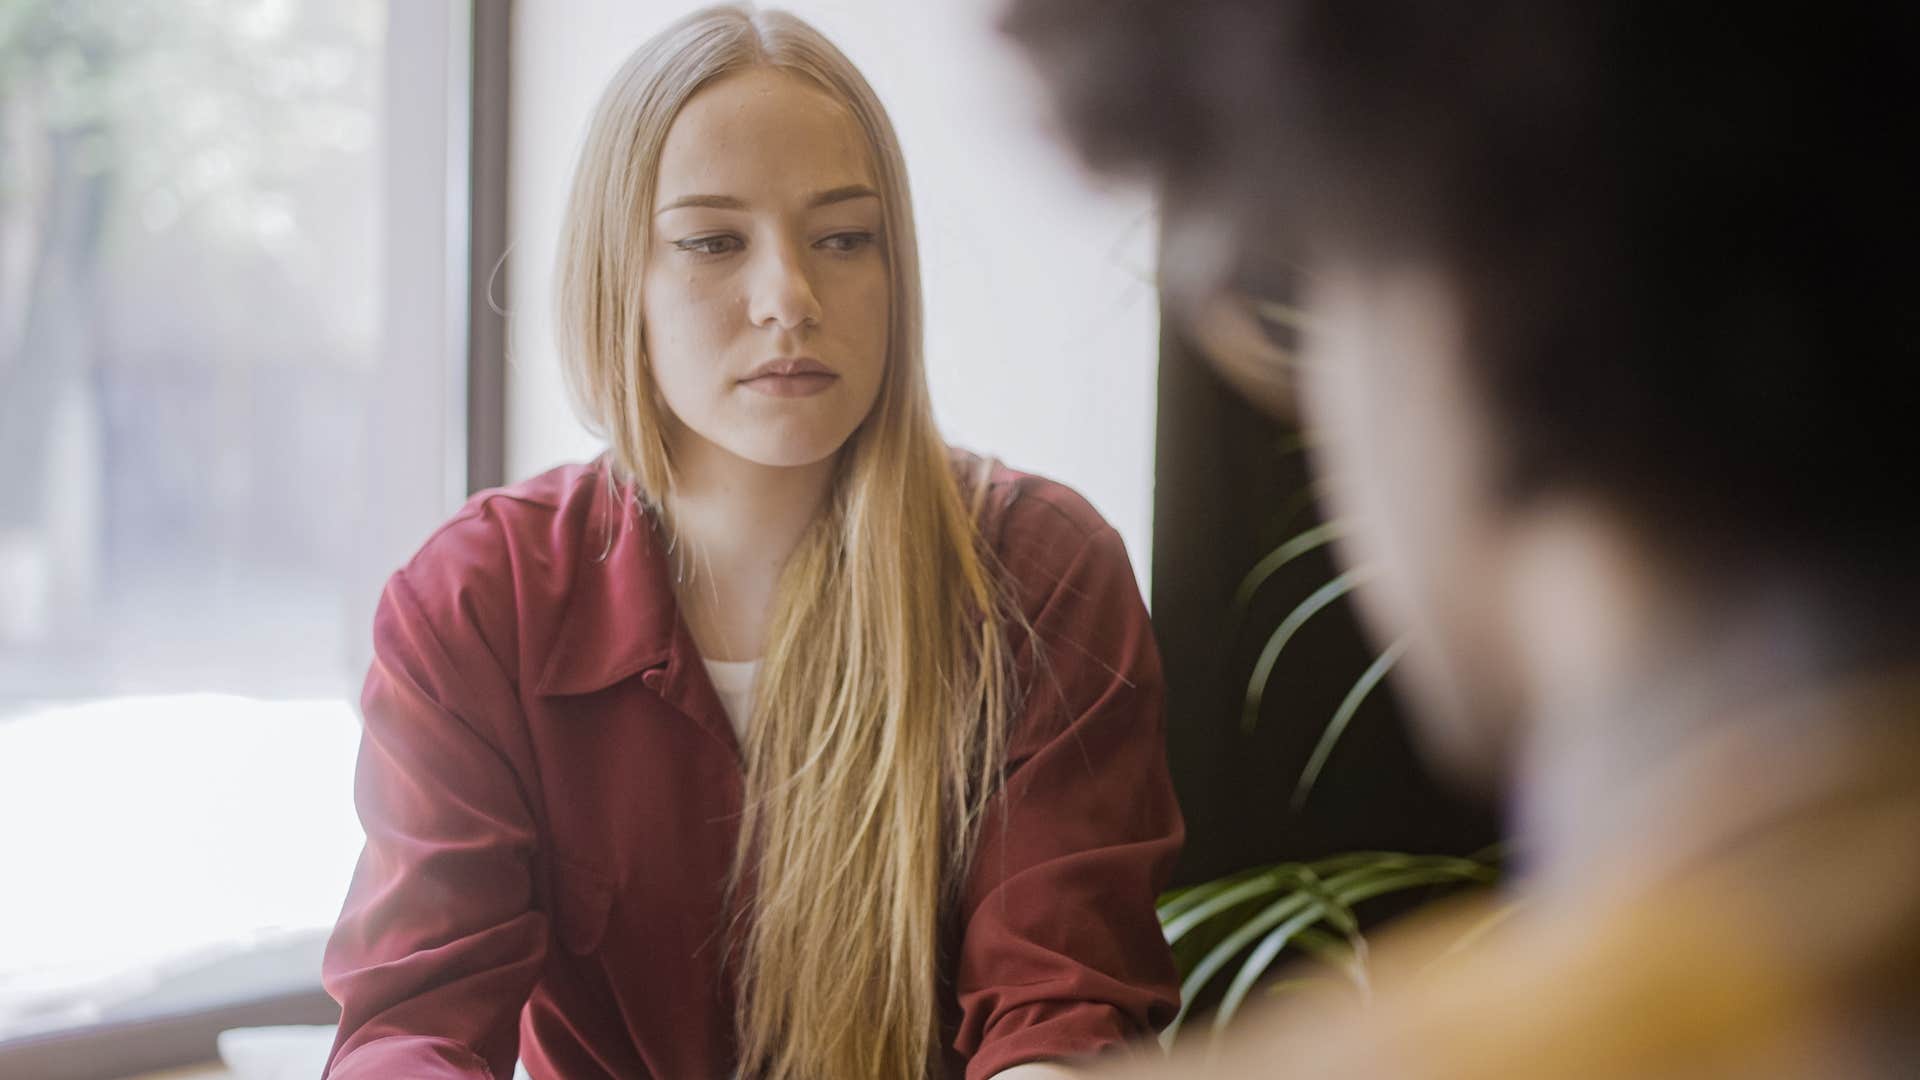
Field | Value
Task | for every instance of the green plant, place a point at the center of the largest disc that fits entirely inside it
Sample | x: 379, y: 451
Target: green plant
x: 1247, y: 922
x: 1263, y: 911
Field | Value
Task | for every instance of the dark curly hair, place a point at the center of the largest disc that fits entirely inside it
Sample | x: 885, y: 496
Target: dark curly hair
x: 1683, y: 233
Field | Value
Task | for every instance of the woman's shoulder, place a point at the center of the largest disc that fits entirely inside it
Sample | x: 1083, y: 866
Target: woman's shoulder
x: 520, y: 527
x: 1017, y: 508
x: 1039, y: 529
x: 507, y: 562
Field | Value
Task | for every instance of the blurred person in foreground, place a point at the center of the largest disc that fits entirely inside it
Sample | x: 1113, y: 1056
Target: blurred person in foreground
x: 1600, y: 320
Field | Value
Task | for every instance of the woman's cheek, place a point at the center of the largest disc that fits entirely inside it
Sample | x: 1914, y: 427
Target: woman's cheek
x: 872, y: 288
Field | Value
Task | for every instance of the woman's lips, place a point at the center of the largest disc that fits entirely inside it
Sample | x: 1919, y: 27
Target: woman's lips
x: 798, y: 384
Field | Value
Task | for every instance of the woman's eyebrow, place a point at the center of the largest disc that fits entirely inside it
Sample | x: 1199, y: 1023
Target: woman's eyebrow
x: 729, y: 202
x: 842, y: 194
x: 716, y: 202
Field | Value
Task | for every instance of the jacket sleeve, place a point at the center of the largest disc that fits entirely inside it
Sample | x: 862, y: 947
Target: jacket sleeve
x: 440, y: 940
x: 1061, y: 953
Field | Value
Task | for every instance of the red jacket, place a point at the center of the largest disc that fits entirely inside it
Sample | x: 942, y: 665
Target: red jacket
x: 550, y: 791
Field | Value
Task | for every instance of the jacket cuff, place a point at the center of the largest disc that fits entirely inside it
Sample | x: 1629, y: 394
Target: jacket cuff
x: 417, y: 1057
x: 1051, y: 1031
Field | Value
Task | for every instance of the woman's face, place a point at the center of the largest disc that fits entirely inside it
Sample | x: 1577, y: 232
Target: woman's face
x: 766, y: 293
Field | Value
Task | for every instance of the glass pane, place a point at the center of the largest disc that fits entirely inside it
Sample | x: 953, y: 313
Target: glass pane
x: 189, y: 194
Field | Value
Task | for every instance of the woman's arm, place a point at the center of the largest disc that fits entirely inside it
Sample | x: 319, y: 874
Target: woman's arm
x: 1062, y: 954
x: 439, y: 943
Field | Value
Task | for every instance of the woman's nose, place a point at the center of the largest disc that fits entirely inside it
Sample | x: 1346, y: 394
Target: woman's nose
x: 782, y: 295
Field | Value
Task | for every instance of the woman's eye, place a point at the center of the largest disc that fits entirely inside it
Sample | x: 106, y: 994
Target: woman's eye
x: 847, y: 241
x: 709, y: 245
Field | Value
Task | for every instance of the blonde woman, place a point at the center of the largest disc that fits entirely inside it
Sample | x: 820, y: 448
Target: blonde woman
x: 780, y: 741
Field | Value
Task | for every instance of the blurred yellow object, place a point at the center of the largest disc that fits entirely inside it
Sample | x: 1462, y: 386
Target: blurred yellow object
x: 1755, y: 914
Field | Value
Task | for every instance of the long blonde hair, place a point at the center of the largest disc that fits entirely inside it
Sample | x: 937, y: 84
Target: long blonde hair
x: 878, y: 728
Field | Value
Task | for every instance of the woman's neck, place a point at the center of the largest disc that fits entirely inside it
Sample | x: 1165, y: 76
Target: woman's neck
x: 734, y: 524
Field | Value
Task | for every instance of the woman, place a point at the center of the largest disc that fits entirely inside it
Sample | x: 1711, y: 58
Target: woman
x: 780, y: 741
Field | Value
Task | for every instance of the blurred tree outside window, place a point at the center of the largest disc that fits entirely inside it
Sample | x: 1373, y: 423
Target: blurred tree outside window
x: 190, y: 214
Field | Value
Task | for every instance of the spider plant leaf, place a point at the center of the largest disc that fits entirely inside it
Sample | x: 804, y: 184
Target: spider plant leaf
x: 1276, y: 939
x: 1343, y: 716
x: 1337, y: 912
x: 1353, y: 887
x: 1348, y: 888
x: 1322, y: 597
x: 1467, y: 868
x: 1480, y: 928
x: 1180, y: 901
x: 1296, y: 985
x: 1334, y: 884
x: 1271, y: 563
x: 1261, y: 959
x: 1217, y: 957
x: 1236, y: 893
x: 1183, y: 909
x: 1342, y: 918
x: 1329, y: 949
x: 1354, y: 860
x: 1260, y: 923
x: 1346, y: 956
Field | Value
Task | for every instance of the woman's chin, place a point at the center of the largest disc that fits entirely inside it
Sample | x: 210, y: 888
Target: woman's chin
x: 795, y: 450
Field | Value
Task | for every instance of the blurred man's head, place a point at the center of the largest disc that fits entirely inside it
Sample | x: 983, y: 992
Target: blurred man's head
x: 1572, y: 288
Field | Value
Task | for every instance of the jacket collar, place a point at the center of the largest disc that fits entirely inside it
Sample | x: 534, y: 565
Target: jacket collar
x: 620, y: 617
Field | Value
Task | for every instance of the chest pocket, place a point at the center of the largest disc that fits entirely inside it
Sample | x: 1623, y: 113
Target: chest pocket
x: 581, y: 906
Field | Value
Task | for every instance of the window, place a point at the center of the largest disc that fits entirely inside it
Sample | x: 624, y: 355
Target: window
x: 235, y: 359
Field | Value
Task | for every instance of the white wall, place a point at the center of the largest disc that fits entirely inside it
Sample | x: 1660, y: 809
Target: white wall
x: 1041, y: 321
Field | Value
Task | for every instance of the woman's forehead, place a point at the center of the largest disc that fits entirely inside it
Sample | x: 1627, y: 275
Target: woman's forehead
x: 762, y: 137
